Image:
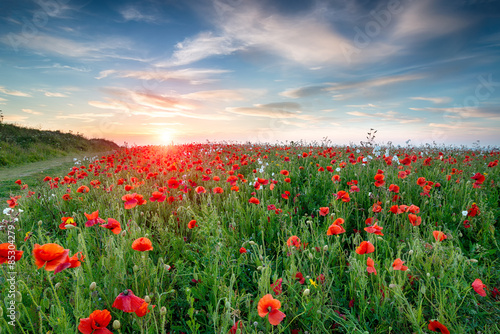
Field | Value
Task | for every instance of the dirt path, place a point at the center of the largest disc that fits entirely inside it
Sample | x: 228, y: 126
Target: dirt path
x: 37, y: 168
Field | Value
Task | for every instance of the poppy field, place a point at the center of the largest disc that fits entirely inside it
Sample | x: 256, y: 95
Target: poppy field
x: 240, y: 238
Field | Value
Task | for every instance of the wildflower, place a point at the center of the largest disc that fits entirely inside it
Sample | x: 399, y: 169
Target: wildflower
x: 96, y: 323
x: 473, y: 210
x: 142, y: 244
x: 70, y: 262
x: 234, y: 329
x: 394, y: 188
x: 157, y: 196
x: 218, y: 190
x: 323, y: 211
x: 13, y: 201
x: 293, y: 241
x: 276, y: 286
x: 370, y: 266
x: 269, y: 305
x: 398, y: 265
x: 299, y: 277
x: 374, y: 229
x: 336, y: 228
x: 83, y: 189
x: 344, y: 196
x: 313, y: 283
x: 66, y: 221
x: 243, y: 250
x: 439, y: 236
x: 200, y: 190
x: 128, y: 302
x: 436, y: 326
x: 192, y: 224
x: 254, y: 200
x: 8, y: 251
x: 143, y: 310
x: 93, y: 219
x: 379, y: 180
x: 113, y: 225
x: 479, y: 287
x: 66, y: 197
x: 365, y: 247
x: 50, y: 256
x: 284, y: 172
x: 414, y: 220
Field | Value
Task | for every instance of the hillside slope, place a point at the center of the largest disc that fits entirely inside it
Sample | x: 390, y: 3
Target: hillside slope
x: 19, y: 145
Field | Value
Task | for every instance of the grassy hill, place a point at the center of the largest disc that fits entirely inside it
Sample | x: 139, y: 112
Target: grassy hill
x: 19, y: 145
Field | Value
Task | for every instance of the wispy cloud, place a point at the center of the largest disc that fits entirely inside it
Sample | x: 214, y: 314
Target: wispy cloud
x: 15, y: 118
x: 279, y: 110
x: 360, y: 84
x: 56, y: 94
x: 32, y: 112
x: 133, y: 13
x: 224, y: 95
x: 85, y: 117
x: 191, y: 75
x: 390, y: 116
x: 13, y: 92
x: 436, y: 100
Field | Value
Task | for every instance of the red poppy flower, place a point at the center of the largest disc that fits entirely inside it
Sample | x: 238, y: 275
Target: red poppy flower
x: 287, y: 180
x: 374, y: 229
x: 113, y: 225
x: 83, y: 189
x: 436, y: 326
x: 293, y: 241
x: 323, y: 211
x: 128, y: 302
x: 299, y: 277
x: 370, y: 266
x: 143, y: 310
x: 173, y: 183
x: 276, y: 286
x: 93, y: 219
x: 96, y: 323
x: 157, y: 196
x: 254, y: 200
x: 67, y: 221
x: 18, y: 182
x: 379, y: 180
x: 271, y: 306
x: 365, y: 247
x: 394, y: 188
x: 66, y: 197
x: 70, y: 262
x: 192, y: 224
x: 13, y: 201
x: 200, y: 190
x: 8, y: 252
x: 284, y: 172
x: 421, y: 181
x: 234, y: 329
x: 335, y: 229
x: 243, y: 250
x: 439, y: 236
x: 50, y: 256
x: 344, y: 196
x: 414, y: 220
x: 218, y: 190
x: 479, y: 287
x: 473, y: 210
x: 398, y: 265
x: 142, y: 244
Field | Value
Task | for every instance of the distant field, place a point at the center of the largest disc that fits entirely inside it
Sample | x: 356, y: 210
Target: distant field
x: 216, y: 238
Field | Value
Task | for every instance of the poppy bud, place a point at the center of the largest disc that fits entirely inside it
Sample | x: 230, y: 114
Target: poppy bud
x: 163, y: 310
x: 167, y: 267
x: 116, y: 324
x: 325, y: 248
x: 18, y: 297
x: 57, y: 285
x: 40, y: 223
x: 92, y: 286
x: 393, y: 286
x: 306, y: 292
x: 147, y: 299
x: 228, y: 304
x: 135, y: 268
x: 1, y: 312
x: 252, y: 243
x: 410, y: 252
x: 259, y: 268
x: 255, y: 323
x: 311, y: 256
x: 69, y: 226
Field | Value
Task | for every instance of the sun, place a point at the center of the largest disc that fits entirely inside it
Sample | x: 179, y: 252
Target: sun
x: 165, y: 137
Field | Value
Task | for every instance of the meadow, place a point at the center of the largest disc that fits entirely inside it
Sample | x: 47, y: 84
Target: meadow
x: 240, y: 238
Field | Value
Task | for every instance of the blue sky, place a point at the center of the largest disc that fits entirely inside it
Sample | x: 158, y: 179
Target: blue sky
x: 156, y: 71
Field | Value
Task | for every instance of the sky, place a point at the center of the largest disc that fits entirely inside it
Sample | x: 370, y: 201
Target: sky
x: 165, y: 71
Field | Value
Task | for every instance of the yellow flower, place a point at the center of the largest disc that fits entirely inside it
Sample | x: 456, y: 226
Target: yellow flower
x: 313, y: 283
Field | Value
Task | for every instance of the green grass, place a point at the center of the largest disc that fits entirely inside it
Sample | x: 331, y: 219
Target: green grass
x: 20, y: 145
x: 199, y: 281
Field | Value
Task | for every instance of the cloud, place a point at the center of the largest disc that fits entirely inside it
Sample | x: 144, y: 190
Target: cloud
x: 153, y: 105
x: 422, y: 19
x: 50, y: 94
x: 29, y: 111
x: 131, y: 13
x: 13, y: 92
x: 390, y: 116
x: 224, y: 95
x: 436, y: 100
x: 193, y: 76
x: 360, y: 84
x: 273, y: 110
x: 110, y: 47
x: 85, y: 117
x: 15, y: 118
x: 241, y: 26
